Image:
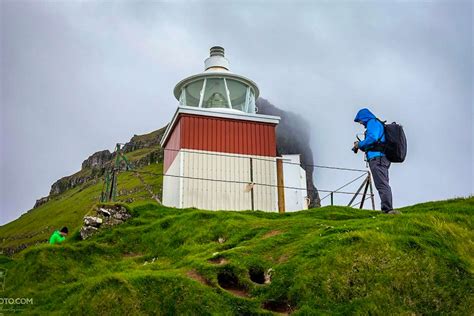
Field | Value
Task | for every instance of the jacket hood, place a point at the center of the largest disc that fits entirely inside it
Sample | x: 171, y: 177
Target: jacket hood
x: 363, y: 116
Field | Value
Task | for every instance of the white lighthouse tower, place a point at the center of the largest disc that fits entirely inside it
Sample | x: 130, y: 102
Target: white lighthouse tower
x: 220, y: 154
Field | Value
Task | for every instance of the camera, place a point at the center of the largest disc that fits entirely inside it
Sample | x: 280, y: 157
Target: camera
x: 356, y: 149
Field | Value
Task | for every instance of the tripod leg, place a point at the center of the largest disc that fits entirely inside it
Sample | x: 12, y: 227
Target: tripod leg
x: 365, y: 192
x: 357, y: 193
x: 371, y: 192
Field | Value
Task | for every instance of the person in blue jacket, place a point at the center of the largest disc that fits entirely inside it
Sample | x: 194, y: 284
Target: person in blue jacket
x: 378, y: 163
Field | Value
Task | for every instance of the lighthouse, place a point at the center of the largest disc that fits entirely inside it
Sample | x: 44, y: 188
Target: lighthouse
x: 219, y: 152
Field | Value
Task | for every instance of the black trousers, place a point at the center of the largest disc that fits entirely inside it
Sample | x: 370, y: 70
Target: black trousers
x: 379, y: 167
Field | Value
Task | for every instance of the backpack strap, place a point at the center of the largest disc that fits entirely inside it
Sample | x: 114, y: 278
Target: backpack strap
x: 379, y: 145
x: 383, y: 132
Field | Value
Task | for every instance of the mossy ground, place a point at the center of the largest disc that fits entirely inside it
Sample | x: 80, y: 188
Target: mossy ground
x: 332, y: 260
x: 68, y: 208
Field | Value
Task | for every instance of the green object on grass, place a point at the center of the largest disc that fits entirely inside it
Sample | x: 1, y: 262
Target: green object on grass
x: 56, y: 238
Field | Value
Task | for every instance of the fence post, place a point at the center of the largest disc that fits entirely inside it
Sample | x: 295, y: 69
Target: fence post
x: 251, y: 181
x: 332, y: 198
x: 281, y: 186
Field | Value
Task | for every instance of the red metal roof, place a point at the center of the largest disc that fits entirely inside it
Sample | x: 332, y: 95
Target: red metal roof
x: 222, y: 135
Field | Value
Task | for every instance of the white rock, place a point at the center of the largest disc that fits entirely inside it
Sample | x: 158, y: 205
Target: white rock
x: 268, y: 276
x: 87, y: 231
x: 104, y: 211
x: 92, y: 221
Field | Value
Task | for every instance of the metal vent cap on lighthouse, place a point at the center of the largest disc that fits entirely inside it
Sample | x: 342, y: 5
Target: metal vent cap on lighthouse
x: 216, y: 61
x: 217, y: 51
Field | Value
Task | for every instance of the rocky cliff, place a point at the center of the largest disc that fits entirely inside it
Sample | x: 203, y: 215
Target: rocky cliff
x: 145, y: 141
x: 98, y: 160
x: 95, y: 165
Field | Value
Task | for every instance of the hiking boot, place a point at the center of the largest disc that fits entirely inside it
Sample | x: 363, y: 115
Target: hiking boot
x: 392, y: 212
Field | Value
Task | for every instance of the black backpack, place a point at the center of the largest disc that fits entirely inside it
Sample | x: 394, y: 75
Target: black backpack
x: 395, y: 145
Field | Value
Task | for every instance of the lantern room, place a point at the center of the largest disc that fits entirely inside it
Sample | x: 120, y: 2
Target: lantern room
x: 217, y: 87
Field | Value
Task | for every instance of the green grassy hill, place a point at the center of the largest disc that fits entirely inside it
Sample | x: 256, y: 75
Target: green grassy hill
x: 69, y: 207
x: 332, y: 260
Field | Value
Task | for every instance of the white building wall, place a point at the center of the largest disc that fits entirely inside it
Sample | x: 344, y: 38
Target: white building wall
x: 294, y: 178
x: 229, y: 187
x: 172, y: 183
x: 265, y: 172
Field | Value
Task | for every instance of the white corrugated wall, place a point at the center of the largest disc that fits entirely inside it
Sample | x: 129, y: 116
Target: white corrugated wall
x: 172, y: 183
x: 295, y: 184
x: 221, y: 193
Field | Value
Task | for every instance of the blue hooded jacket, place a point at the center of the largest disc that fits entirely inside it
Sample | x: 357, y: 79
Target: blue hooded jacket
x: 374, y: 130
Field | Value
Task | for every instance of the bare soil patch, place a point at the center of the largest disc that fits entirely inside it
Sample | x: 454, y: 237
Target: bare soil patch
x: 132, y: 255
x: 279, y: 307
x: 196, y: 276
x: 271, y: 234
x: 283, y: 258
x: 218, y: 260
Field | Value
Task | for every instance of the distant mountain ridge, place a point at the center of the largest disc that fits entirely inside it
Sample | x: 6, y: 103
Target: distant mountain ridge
x: 95, y: 165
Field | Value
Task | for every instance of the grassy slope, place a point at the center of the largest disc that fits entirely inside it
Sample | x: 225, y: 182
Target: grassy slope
x: 326, y: 261
x: 68, y: 208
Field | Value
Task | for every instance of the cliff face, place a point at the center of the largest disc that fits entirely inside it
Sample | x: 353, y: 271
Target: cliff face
x: 91, y: 168
x: 69, y: 182
x: 97, y: 160
x: 293, y: 138
x: 144, y: 141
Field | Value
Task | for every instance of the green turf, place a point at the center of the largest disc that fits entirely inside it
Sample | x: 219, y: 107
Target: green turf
x: 68, y: 208
x: 332, y: 260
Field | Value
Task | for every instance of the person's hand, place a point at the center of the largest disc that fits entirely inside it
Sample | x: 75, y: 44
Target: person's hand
x: 356, y: 144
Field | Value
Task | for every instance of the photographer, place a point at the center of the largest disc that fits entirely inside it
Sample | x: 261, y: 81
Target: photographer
x: 58, y: 236
x: 372, y: 145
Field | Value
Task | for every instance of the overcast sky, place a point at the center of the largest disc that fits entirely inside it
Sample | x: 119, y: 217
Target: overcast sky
x: 79, y: 76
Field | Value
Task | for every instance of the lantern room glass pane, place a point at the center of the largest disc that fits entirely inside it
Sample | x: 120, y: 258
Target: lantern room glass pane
x: 237, y: 94
x: 215, y: 94
x: 251, y: 105
x: 193, y: 93
x: 182, y: 97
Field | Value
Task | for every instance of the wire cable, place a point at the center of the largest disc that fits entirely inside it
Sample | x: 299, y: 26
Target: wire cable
x: 241, y: 182
x: 345, y: 185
